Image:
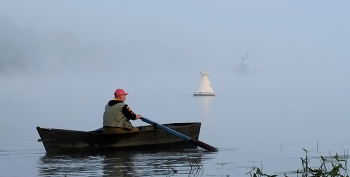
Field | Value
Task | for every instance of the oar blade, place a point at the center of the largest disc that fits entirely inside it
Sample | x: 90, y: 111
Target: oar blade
x: 204, y: 145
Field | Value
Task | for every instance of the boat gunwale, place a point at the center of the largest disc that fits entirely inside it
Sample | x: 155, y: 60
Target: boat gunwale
x: 170, y: 125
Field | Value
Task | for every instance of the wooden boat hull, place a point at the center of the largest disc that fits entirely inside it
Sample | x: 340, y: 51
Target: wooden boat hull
x: 60, y: 140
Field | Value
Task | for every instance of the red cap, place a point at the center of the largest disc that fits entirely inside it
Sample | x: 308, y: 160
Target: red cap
x: 120, y: 92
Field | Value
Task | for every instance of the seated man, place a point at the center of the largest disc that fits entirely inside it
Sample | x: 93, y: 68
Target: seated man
x: 117, y: 115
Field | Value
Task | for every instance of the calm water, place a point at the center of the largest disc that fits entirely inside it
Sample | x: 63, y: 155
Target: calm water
x: 261, y: 121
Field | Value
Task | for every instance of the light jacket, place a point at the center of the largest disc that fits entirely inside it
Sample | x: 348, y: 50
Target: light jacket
x: 114, y: 117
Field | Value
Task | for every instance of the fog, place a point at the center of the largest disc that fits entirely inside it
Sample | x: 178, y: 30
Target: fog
x: 70, y: 50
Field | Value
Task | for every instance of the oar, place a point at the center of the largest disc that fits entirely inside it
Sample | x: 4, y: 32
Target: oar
x: 187, y: 138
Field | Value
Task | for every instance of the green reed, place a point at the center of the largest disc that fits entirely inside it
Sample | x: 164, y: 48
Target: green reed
x: 332, y: 166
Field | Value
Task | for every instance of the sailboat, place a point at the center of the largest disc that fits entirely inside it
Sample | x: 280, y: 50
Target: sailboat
x: 205, y: 88
x: 246, y: 65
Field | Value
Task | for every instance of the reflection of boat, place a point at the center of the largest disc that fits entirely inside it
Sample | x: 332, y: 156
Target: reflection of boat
x: 205, y: 88
x: 124, y: 163
x: 60, y: 140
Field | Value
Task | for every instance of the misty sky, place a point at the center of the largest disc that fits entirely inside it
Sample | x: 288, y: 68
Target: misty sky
x: 76, y: 53
x: 158, y: 38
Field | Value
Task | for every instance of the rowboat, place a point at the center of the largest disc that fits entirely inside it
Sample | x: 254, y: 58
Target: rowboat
x: 148, y: 138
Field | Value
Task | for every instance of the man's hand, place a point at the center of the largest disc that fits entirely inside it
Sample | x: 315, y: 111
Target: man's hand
x: 138, y: 116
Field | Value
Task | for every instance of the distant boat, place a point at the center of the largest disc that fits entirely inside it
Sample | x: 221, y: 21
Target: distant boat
x: 205, y: 88
x: 246, y: 65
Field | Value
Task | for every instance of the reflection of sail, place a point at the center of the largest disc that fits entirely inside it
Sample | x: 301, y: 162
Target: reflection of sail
x: 124, y: 163
x: 206, y: 106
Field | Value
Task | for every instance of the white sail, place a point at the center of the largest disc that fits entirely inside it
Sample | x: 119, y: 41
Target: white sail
x: 205, y: 88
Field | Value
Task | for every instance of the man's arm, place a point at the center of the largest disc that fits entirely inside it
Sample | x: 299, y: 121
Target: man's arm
x: 129, y: 114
